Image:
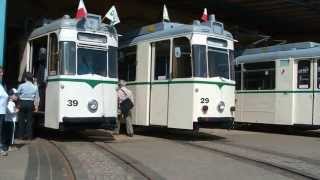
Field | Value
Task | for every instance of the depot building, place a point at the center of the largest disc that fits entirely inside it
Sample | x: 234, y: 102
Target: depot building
x: 253, y: 23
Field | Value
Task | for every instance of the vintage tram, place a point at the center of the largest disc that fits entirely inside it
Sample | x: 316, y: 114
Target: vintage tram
x: 75, y: 65
x: 279, y: 85
x: 179, y: 74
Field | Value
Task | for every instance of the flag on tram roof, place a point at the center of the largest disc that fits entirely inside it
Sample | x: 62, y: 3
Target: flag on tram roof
x: 112, y: 15
x: 82, y: 11
x: 165, y: 14
x: 205, y: 15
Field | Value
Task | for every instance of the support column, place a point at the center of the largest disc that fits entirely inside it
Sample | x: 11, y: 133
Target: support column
x: 3, y: 15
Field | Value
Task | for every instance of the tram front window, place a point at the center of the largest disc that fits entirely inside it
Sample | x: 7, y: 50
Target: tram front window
x: 199, y: 61
x: 218, y: 62
x: 67, y: 53
x: 91, y: 61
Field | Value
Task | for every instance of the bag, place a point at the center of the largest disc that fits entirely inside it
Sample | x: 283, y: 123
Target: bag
x: 126, y: 106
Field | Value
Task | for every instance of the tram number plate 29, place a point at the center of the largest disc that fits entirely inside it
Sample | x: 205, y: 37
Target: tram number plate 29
x: 204, y: 100
x: 72, y: 103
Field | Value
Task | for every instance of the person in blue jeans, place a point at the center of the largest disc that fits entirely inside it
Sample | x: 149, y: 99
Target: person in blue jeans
x: 3, y: 107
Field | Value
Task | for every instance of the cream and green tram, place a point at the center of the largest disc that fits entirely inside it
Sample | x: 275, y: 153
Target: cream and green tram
x: 279, y: 85
x: 179, y: 74
x: 75, y: 66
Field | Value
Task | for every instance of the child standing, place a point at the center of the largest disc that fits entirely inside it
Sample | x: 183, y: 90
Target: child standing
x: 11, y: 119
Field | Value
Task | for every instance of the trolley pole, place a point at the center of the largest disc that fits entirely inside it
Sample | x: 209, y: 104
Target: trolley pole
x: 3, y: 7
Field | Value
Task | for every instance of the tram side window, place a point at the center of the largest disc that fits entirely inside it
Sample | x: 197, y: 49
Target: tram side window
x: 237, y: 70
x: 68, y: 58
x: 199, y: 60
x: 112, y: 62
x: 318, y: 72
x: 181, y: 61
x: 162, y: 60
x: 232, y: 64
x: 54, y: 58
x: 127, y: 63
x: 39, y: 58
x: 304, y: 74
x: 259, y: 76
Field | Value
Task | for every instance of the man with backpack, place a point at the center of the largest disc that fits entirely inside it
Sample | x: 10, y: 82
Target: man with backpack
x: 125, y: 104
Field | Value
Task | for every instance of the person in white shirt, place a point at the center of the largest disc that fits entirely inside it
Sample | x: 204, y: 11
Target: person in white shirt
x: 124, y: 94
x: 3, y: 107
x: 11, y: 119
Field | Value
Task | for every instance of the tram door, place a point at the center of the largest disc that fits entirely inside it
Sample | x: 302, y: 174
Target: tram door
x: 316, y: 86
x: 160, y: 83
x: 303, y: 96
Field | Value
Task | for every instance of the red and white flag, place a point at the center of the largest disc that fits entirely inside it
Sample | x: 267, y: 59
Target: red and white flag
x: 205, y: 15
x: 82, y: 11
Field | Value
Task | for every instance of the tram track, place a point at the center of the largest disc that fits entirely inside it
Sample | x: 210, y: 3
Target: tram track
x: 144, y: 171
x: 264, y: 161
x: 47, y: 161
x: 68, y: 166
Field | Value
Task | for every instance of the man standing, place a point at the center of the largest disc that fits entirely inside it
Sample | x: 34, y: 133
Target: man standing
x: 126, y: 103
x: 27, y: 93
x: 3, y: 107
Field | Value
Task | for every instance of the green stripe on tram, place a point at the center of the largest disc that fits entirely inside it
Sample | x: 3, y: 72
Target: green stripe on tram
x: 219, y: 84
x: 277, y: 92
x: 90, y: 82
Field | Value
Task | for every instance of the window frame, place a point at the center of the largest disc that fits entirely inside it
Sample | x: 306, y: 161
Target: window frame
x: 173, y: 57
x: 154, y: 59
x: 49, y: 55
x: 62, y: 61
x: 244, y: 71
x: 241, y: 76
x: 298, y: 86
x: 127, y: 75
x: 216, y: 49
x: 318, y: 73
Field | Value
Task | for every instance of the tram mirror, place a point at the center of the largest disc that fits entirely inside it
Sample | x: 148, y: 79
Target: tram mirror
x: 177, y: 52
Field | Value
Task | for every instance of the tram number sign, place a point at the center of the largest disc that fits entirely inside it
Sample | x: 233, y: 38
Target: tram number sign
x: 71, y: 103
x: 204, y: 100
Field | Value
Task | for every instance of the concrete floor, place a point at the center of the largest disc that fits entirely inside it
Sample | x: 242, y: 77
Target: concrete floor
x: 173, y: 160
x: 166, y: 154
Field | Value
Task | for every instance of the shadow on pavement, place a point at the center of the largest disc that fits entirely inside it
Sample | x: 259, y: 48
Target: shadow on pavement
x: 76, y: 136
x: 175, y: 134
x: 274, y: 129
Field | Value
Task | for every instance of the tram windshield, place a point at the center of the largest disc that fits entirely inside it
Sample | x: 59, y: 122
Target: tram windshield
x: 218, y: 62
x: 67, y: 57
x: 92, y: 61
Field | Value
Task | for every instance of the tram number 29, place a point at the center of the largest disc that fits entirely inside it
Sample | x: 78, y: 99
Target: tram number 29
x: 72, y: 103
x: 204, y: 100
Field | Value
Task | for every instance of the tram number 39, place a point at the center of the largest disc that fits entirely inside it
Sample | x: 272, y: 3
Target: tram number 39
x: 204, y: 100
x: 72, y: 103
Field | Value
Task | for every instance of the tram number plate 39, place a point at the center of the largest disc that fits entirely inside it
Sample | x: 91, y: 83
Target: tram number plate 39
x: 72, y: 103
x: 204, y: 100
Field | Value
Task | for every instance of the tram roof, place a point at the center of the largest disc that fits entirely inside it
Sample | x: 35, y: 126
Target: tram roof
x: 91, y: 23
x: 280, y: 52
x: 166, y: 29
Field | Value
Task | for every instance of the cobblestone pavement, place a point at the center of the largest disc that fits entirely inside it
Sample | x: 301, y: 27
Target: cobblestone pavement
x: 170, y: 154
x: 96, y: 164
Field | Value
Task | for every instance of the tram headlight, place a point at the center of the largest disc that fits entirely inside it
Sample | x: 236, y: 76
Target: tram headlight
x: 93, y: 106
x: 205, y: 109
x: 221, y: 107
